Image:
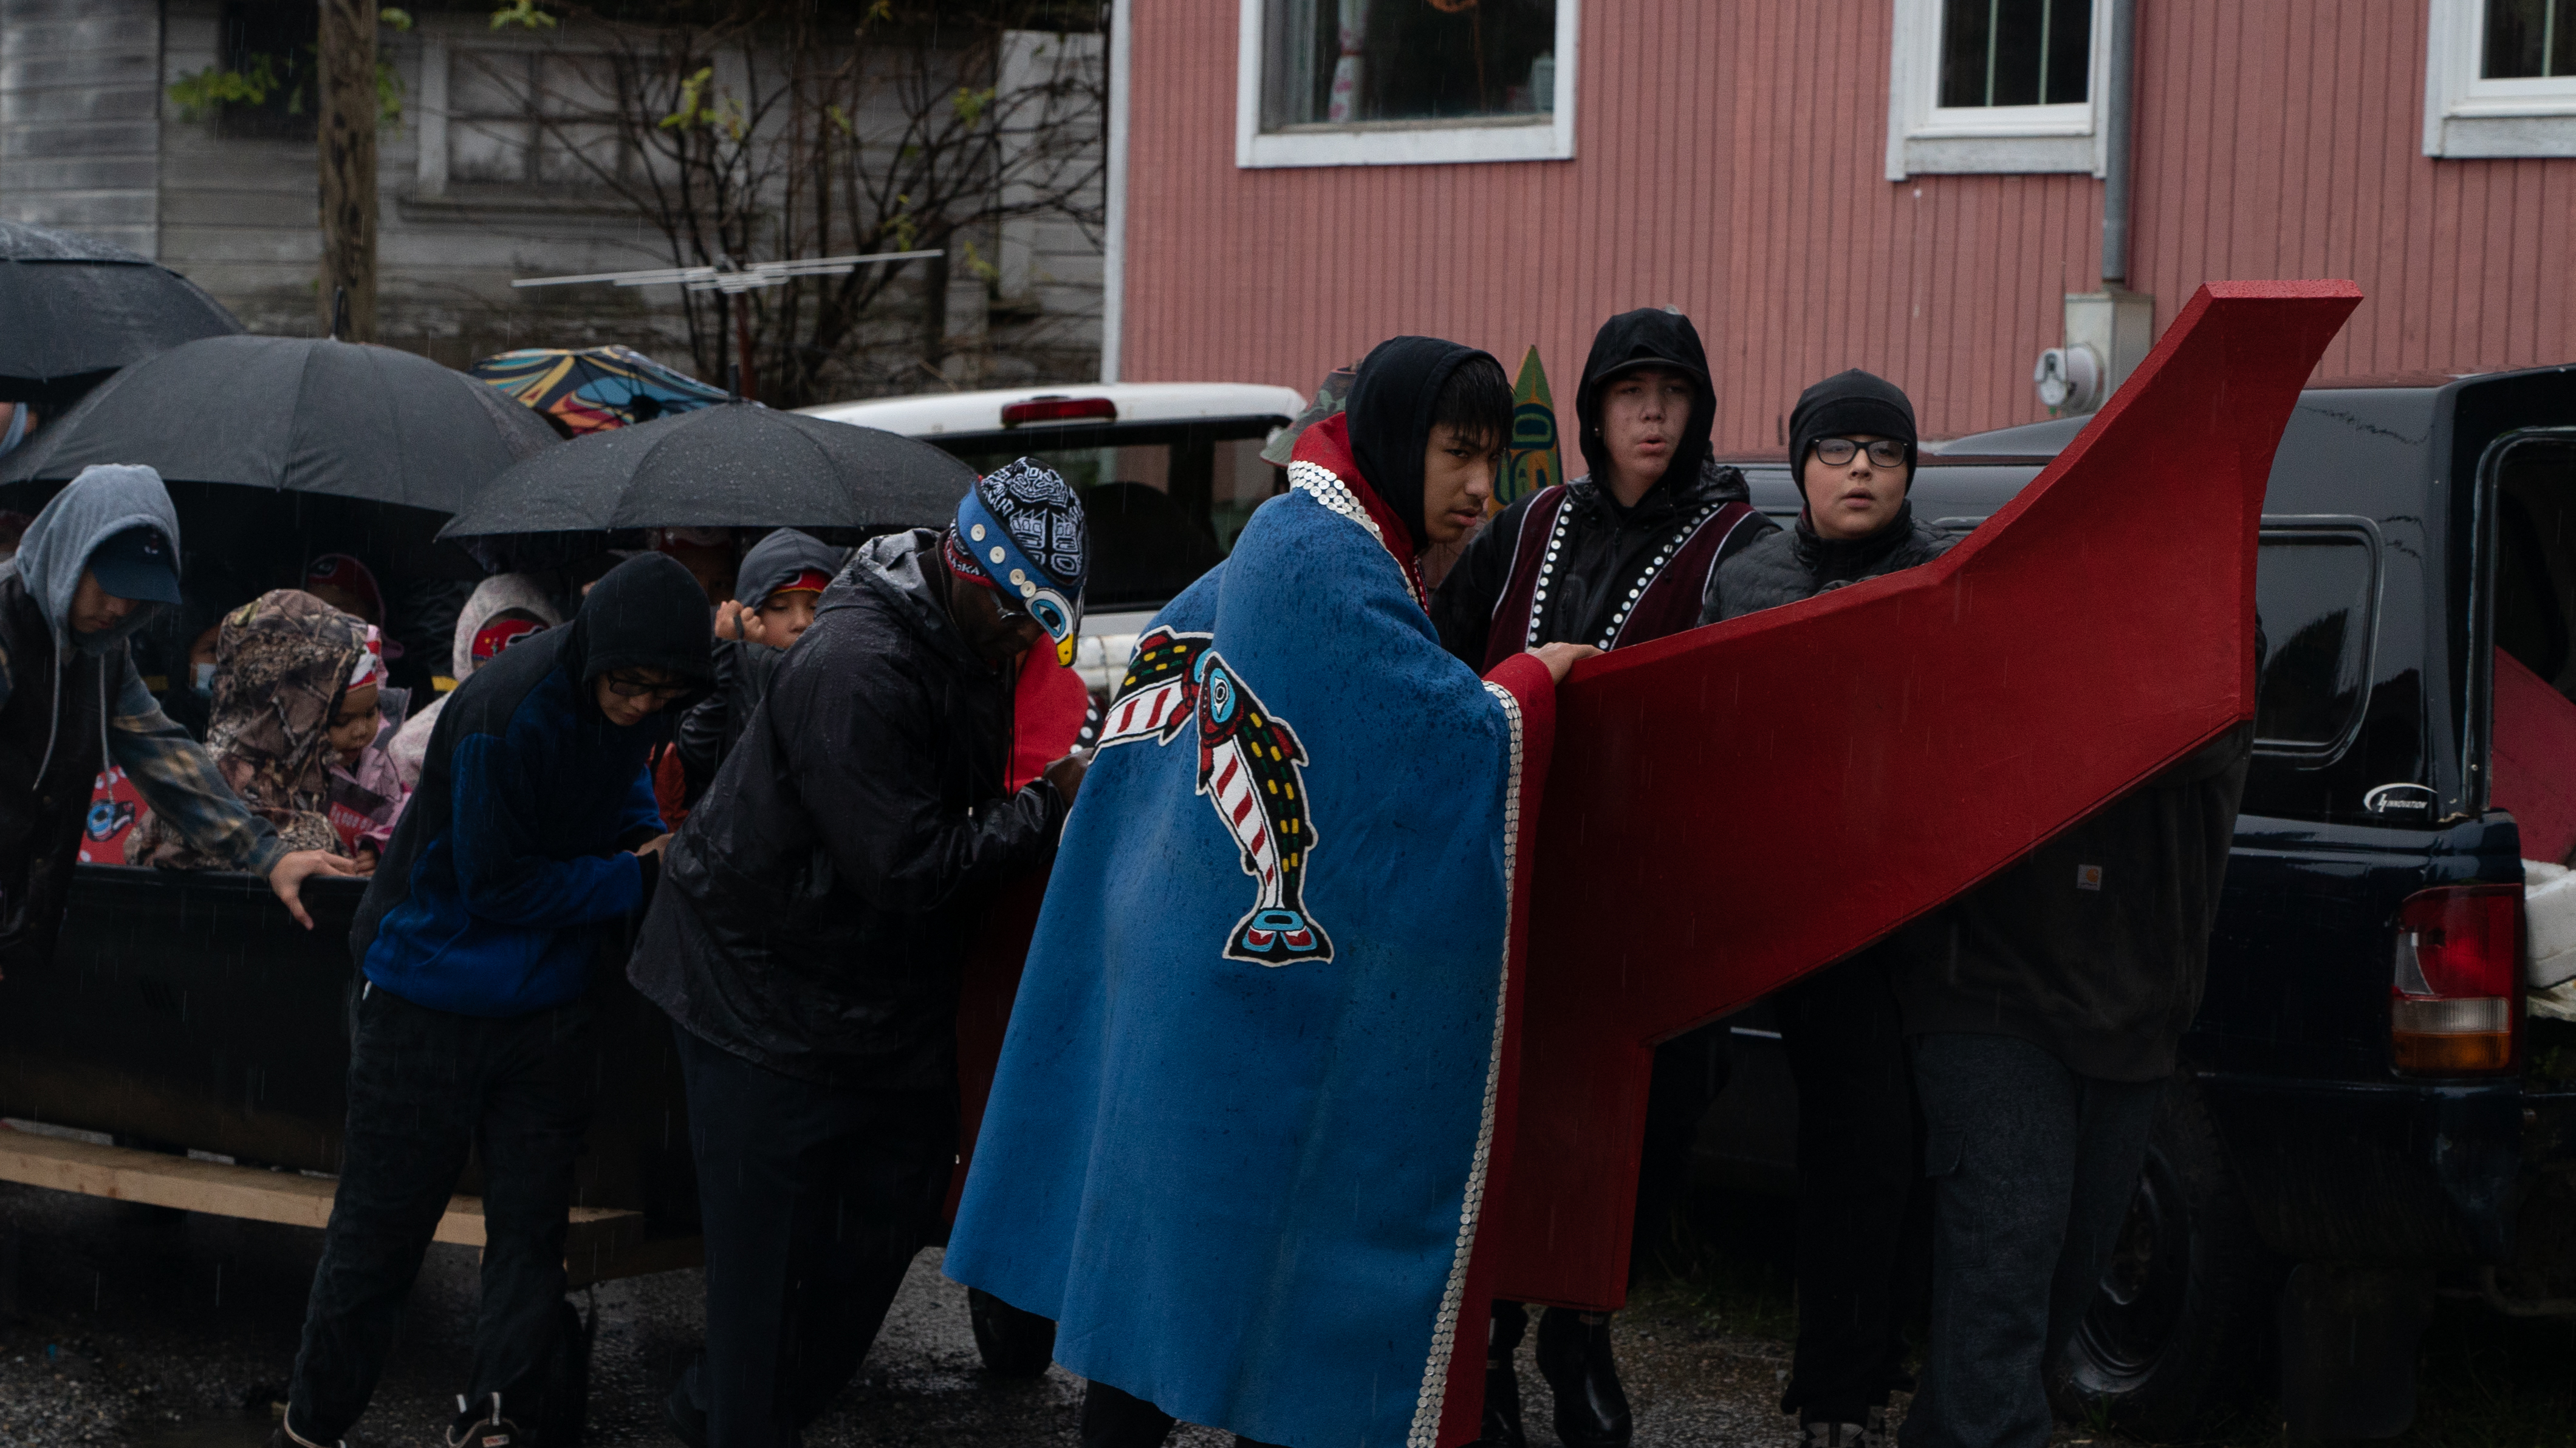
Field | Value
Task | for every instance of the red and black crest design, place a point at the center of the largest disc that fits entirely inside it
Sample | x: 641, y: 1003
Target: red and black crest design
x: 1251, y: 771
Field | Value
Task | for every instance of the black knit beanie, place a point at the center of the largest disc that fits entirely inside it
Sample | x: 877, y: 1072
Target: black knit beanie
x: 1849, y: 402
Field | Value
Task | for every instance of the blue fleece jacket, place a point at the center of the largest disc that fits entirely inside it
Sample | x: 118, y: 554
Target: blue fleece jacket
x: 509, y: 861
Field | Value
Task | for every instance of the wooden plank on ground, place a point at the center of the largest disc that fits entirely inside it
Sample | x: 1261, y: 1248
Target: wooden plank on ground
x: 597, y: 1234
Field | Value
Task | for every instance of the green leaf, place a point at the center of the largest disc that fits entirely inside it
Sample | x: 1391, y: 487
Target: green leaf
x: 524, y: 14
x: 397, y: 18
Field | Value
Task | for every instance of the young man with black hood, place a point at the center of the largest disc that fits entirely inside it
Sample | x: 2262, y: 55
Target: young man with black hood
x: 532, y: 836
x: 809, y: 932
x: 94, y: 567
x: 1851, y: 445
x: 1616, y: 557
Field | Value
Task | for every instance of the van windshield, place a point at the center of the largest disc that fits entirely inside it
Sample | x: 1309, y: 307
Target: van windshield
x: 1164, y: 501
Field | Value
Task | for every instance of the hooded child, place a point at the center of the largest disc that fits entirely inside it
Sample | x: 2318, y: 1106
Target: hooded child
x: 1852, y: 449
x: 531, y: 838
x: 282, y: 666
x: 95, y: 564
x: 1617, y: 557
x: 1260, y: 1066
x: 504, y: 610
x: 367, y: 789
x: 782, y: 581
x: 811, y: 927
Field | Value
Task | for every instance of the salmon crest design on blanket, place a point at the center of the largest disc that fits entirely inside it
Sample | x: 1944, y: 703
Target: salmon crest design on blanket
x: 1250, y: 771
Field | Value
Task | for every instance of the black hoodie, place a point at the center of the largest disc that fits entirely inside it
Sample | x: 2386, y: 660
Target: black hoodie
x: 1389, y: 417
x: 509, y: 859
x: 1605, y: 550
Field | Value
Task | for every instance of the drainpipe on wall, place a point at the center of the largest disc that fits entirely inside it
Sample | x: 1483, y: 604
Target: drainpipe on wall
x: 1113, y: 241
x: 2109, y: 332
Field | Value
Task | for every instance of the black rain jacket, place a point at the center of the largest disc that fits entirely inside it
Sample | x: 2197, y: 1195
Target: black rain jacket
x: 814, y: 909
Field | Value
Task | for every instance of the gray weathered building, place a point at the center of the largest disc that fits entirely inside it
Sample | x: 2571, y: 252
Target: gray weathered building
x: 474, y: 189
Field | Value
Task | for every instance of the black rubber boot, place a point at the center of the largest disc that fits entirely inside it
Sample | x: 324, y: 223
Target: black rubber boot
x: 1502, y: 1426
x: 1113, y: 1418
x: 1574, y: 1357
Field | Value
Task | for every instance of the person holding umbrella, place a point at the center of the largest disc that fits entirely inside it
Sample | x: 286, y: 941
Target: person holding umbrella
x: 808, y: 935
x: 94, y: 567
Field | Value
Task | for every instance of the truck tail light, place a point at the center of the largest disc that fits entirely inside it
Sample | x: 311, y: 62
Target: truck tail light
x: 1060, y: 409
x: 2452, y: 1006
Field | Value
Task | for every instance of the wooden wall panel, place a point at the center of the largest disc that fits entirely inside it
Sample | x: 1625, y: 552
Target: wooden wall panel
x: 2286, y: 140
x: 1729, y: 159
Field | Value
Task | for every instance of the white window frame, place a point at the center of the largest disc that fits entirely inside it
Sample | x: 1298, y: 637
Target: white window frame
x: 1927, y: 138
x: 1402, y: 143
x: 2466, y: 116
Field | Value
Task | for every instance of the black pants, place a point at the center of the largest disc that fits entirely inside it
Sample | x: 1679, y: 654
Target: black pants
x: 2031, y: 1168
x: 1856, y: 1165
x: 424, y: 1087
x: 814, y: 1200
x: 1690, y: 1070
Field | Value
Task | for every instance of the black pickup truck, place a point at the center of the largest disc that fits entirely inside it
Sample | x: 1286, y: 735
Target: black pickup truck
x: 2319, y: 1161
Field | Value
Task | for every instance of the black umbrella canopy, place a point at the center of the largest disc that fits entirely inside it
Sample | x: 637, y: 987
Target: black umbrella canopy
x: 299, y: 414
x: 73, y: 310
x: 738, y: 465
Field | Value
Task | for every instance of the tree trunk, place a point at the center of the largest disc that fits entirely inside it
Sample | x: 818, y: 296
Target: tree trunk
x: 347, y: 153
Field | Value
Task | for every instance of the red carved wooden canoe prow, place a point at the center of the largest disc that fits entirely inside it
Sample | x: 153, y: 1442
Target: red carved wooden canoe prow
x: 1732, y: 807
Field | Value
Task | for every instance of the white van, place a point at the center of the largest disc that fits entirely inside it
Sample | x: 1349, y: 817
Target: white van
x: 1169, y: 473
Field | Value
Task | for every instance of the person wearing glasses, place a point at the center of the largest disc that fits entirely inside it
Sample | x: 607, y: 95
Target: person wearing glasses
x: 1852, y: 449
x: 531, y: 836
x: 813, y: 920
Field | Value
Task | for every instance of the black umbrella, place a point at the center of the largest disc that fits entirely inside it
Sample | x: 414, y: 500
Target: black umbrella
x: 298, y: 414
x: 73, y: 310
x: 738, y: 465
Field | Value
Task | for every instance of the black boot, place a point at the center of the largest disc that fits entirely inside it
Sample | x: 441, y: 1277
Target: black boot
x: 1502, y: 1427
x: 1574, y: 1357
x: 1114, y: 1418
x: 1502, y: 1408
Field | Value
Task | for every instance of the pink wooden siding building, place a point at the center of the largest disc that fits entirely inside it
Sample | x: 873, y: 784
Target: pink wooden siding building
x: 1912, y: 186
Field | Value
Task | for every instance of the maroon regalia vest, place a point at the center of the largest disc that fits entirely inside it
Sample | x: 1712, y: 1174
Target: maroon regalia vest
x: 1664, y: 597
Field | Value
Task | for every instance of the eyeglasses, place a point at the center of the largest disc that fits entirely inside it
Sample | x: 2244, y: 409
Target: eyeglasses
x: 1833, y: 452
x: 627, y: 687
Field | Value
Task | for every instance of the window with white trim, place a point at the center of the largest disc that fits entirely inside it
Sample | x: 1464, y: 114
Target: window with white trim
x: 2500, y: 78
x: 1997, y: 86
x: 1396, y: 82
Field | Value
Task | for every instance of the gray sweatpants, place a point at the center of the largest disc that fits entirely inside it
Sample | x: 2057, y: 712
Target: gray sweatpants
x: 2031, y: 1168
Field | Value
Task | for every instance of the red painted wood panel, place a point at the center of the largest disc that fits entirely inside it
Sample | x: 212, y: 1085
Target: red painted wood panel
x: 1729, y: 160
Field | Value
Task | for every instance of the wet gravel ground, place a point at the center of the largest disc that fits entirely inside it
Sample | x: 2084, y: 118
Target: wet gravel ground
x: 133, y: 1326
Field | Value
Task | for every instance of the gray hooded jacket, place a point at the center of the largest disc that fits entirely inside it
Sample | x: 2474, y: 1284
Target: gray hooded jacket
x: 70, y: 703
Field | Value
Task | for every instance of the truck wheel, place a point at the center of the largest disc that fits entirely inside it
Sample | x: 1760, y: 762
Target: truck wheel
x: 2172, y: 1339
x: 1015, y: 1344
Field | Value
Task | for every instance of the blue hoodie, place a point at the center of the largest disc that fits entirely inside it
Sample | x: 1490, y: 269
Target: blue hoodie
x: 510, y: 859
